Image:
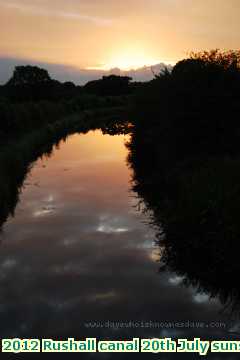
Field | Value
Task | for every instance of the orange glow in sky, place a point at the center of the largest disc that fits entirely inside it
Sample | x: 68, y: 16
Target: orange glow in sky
x: 128, y: 61
x: 103, y: 34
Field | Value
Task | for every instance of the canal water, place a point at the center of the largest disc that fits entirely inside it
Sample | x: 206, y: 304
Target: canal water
x: 79, y: 259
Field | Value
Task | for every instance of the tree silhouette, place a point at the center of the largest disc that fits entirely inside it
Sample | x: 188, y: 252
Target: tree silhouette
x: 109, y: 85
x: 28, y: 75
x: 184, y: 152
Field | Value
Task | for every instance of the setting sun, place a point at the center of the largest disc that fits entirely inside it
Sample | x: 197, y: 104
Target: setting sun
x: 128, y: 60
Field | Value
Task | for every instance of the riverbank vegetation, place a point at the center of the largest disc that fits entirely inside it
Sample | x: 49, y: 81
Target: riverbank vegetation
x: 31, y: 99
x: 193, y: 110
x: 184, y: 152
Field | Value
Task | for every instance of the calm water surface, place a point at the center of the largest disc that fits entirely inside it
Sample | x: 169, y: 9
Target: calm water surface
x: 79, y: 251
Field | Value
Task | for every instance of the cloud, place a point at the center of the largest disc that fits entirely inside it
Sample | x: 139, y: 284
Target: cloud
x: 176, y: 280
x: 111, y: 225
x: 201, y: 298
x: 109, y: 230
x: 44, y: 11
x: 71, y: 73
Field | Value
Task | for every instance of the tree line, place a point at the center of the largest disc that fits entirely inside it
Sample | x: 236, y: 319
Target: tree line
x: 31, y: 99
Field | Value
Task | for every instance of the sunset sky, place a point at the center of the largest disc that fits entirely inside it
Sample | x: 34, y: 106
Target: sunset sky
x: 102, y: 34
